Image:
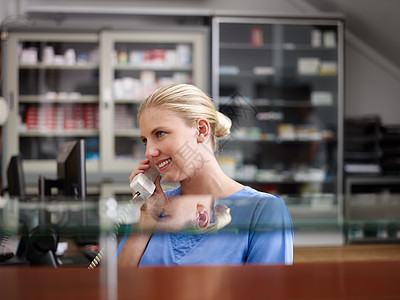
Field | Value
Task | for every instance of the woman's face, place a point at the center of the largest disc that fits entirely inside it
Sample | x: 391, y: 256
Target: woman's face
x: 171, y: 145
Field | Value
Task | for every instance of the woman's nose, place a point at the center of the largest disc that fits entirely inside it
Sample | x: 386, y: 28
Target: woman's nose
x: 151, y: 151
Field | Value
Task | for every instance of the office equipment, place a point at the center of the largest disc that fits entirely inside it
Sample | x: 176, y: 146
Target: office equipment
x: 71, y: 185
x: 71, y: 172
x: 71, y: 168
x: 15, y: 177
x: 42, y: 245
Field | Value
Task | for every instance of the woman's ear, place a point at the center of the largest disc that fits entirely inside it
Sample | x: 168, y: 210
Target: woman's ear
x: 203, y: 217
x: 202, y: 130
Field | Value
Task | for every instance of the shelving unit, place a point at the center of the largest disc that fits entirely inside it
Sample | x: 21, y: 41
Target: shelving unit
x: 134, y: 64
x: 280, y: 80
x: 52, y: 87
x: 64, y: 86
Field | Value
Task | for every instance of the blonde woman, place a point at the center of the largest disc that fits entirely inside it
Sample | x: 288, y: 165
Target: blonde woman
x: 179, y: 126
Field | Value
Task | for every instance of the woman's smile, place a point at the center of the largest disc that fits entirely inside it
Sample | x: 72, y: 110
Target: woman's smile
x: 163, y: 164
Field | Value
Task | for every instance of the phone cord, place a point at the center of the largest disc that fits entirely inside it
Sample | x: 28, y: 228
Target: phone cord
x: 122, y: 219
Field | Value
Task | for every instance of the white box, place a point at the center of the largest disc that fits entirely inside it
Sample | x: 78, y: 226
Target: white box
x: 308, y: 66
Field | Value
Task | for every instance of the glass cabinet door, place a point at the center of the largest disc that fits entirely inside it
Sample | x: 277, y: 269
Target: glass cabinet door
x: 280, y: 81
x: 53, y: 84
x: 134, y: 65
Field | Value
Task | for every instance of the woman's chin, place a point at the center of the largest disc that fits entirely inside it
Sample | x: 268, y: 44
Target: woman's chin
x: 173, y: 179
x: 172, y: 176
x: 169, y: 179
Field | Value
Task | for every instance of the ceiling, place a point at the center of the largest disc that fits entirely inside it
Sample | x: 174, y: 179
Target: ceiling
x: 374, y: 22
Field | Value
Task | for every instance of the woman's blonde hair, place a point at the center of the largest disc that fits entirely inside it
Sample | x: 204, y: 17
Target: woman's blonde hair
x: 190, y: 103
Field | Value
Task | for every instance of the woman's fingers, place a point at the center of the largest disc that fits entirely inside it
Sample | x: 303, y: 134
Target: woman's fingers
x: 141, y: 168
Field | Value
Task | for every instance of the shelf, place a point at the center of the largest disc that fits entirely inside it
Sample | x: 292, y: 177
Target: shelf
x: 269, y: 139
x: 132, y: 132
x: 49, y: 166
x: 279, y: 141
x: 41, y: 66
x: 44, y: 99
x: 128, y: 101
x: 285, y: 46
x: 262, y: 102
x: 153, y: 68
x: 250, y: 74
x: 59, y: 133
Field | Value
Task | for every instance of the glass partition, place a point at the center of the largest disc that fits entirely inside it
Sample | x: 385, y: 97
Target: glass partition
x: 72, y: 230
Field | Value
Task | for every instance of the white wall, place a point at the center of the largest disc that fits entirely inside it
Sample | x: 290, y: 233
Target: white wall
x: 372, y: 83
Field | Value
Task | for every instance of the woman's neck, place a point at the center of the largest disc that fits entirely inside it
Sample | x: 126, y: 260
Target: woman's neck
x: 210, y: 180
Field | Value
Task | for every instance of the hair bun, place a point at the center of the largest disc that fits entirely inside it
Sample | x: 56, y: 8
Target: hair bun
x: 223, y: 126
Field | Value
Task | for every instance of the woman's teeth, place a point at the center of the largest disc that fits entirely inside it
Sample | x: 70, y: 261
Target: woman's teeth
x: 165, y: 162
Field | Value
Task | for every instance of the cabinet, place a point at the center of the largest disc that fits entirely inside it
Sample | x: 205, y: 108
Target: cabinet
x: 281, y: 82
x: 372, y: 209
x: 53, y: 92
x: 64, y: 86
x: 135, y: 64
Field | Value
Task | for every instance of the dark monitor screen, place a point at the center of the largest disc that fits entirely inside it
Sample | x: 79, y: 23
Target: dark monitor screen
x: 71, y: 169
x: 15, y: 177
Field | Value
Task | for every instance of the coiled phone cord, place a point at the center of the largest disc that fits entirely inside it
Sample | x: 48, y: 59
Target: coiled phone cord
x: 122, y: 219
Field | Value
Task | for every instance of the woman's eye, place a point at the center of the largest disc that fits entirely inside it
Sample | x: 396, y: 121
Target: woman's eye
x: 144, y: 141
x: 160, y: 133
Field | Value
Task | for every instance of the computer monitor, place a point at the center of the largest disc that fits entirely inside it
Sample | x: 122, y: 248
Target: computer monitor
x: 71, y: 169
x: 15, y: 177
x: 71, y: 174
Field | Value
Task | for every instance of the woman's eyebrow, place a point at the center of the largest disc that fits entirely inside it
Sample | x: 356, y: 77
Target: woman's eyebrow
x: 153, y: 131
x: 157, y: 129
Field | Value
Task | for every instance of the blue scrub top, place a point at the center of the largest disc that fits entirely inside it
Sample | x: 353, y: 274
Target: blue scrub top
x: 261, y: 232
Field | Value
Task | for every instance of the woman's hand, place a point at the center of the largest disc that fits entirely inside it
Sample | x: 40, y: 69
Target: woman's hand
x: 152, y: 208
x: 141, y: 168
x: 137, y: 242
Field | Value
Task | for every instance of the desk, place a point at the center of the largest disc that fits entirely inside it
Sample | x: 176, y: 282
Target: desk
x: 348, y: 280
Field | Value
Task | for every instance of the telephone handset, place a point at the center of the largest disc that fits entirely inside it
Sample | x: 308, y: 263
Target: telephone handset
x: 143, y: 187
